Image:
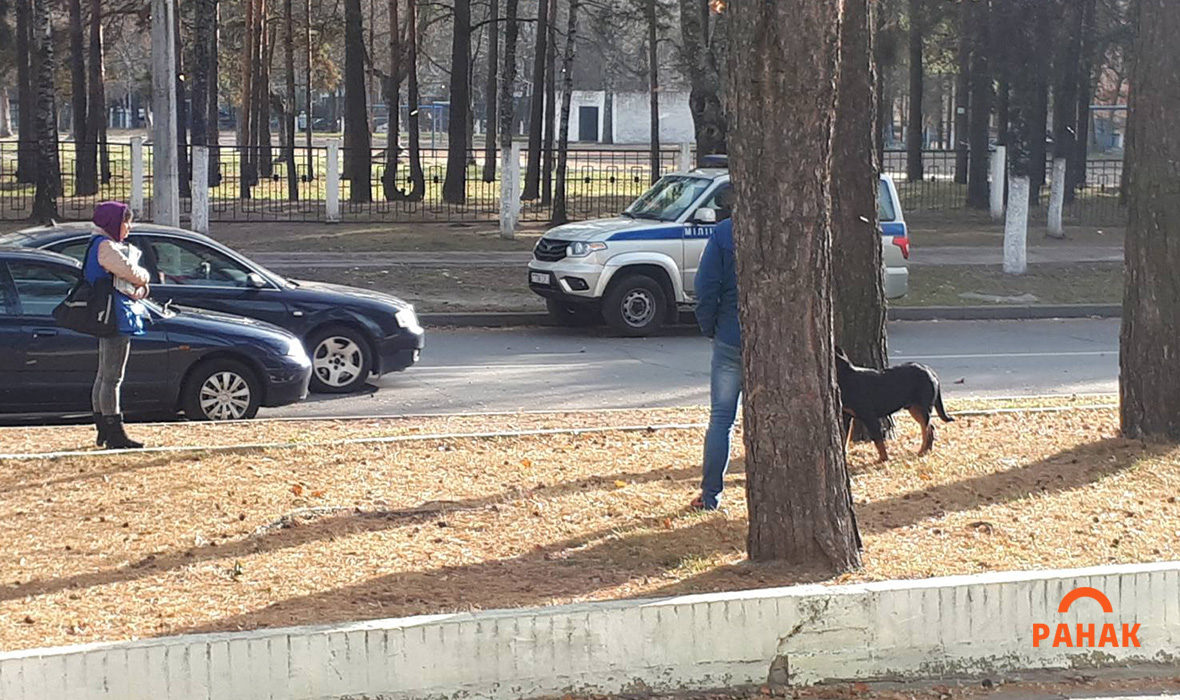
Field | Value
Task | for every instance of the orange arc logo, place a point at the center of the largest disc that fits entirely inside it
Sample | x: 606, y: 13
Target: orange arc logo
x: 1086, y: 592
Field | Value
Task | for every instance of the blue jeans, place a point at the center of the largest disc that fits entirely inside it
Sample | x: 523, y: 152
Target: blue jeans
x: 725, y: 391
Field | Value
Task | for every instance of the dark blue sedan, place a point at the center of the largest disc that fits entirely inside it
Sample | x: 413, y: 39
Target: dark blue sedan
x: 209, y: 366
x: 350, y: 334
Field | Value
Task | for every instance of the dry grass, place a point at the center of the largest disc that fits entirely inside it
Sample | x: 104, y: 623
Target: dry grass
x: 40, y: 440
x: 114, y: 547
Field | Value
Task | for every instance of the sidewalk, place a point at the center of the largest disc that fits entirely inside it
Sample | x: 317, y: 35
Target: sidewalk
x: 940, y: 255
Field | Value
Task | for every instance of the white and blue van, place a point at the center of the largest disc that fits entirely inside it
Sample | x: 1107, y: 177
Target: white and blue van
x: 636, y: 270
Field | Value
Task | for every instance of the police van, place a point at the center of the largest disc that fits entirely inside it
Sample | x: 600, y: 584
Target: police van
x: 636, y: 270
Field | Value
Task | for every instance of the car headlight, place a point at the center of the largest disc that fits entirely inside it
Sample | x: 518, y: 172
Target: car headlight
x: 407, y: 319
x: 295, y: 349
x: 580, y: 249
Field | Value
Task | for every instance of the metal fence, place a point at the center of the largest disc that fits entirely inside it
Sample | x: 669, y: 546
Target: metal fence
x: 599, y: 182
x: 16, y: 194
x: 1096, y: 202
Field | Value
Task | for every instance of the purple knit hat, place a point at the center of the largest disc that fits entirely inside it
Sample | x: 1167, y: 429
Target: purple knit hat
x: 109, y: 217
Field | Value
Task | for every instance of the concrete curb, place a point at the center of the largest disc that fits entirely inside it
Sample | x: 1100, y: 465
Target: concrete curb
x: 944, y: 628
x: 984, y: 313
x: 508, y: 319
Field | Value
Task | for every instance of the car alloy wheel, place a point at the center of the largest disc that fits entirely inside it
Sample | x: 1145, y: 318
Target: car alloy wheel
x: 337, y: 361
x: 225, y: 395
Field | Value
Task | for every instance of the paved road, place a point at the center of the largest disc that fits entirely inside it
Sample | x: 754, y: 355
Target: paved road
x: 937, y: 255
x: 551, y: 368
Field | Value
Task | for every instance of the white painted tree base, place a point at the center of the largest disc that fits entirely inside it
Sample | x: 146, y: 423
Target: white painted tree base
x: 1057, y: 200
x: 1016, y: 227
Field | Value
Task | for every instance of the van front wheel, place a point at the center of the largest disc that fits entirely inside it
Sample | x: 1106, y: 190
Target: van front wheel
x: 635, y: 306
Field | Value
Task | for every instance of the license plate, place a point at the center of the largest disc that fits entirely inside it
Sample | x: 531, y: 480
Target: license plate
x: 539, y: 277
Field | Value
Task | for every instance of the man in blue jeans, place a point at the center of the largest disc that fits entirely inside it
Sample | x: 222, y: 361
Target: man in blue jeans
x: 717, y: 315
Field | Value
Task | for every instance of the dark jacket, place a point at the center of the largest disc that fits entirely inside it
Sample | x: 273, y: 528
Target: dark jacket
x: 716, y: 288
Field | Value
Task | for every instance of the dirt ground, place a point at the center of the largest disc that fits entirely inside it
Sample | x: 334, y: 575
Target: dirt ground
x: 114, y: 547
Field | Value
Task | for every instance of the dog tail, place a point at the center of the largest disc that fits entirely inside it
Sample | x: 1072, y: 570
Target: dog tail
x: 938, y: 405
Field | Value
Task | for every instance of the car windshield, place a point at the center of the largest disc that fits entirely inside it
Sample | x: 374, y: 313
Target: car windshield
x: 668, y: 198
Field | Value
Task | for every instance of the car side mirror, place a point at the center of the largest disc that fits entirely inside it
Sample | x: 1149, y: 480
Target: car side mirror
x: 255, y: 281
x: 705, y: 215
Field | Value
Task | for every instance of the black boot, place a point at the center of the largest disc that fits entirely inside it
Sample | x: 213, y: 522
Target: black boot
x: 101, y: 440
x: 116, y: 437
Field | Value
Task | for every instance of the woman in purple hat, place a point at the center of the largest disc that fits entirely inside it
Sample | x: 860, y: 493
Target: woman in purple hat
x: 110, y: 254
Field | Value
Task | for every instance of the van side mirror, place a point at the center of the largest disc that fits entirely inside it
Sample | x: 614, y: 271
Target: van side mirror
x: 705, y: 215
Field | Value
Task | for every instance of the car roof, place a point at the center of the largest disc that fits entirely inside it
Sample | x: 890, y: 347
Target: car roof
x: 11, y: 252
x: 716, y: 173
x: 40, y: 236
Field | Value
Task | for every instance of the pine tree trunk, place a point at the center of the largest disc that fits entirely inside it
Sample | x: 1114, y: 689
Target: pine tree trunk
x: 1149, y: 377
x: 246, y: 104
x: 560, y: 214
x: 783, y: 64
x: 5, y: 113
x: 455, y: 184
x: 202, y: 45
x: 307, y: 88
x: 506, y: 107
x: 962, y: 93
x: 85, y: 150
x: 265, y: 105
x: 914, y: 132
x: 45, y: 128
x: 357, y: 164
x: 212, y: 114
x: 1076, y: 168
x: 978, y: 196
x: 704, y: 76
x: 653, y: 84
x: 491, y: 94
x: 857, y: 287
x: 1024, y: 107
x: 289, y: 117
x: 532, y: 173
x: 96, y: 107
x: 1041, y: 68
x: 858, y: 292
x: 417, y: 177
x: 182, y: 160
x: 550, y: 109
x: 608, y: 111
x: 393, y: 99
x: 26, y: 150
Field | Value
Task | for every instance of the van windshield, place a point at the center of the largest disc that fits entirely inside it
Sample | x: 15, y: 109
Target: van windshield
x: 668, y: 198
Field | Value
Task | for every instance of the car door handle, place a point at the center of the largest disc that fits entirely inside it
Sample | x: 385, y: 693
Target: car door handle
x: 44, y: 332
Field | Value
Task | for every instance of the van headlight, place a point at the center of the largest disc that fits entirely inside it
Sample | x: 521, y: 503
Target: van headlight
x: 407, y: 319
x: 580, y: 249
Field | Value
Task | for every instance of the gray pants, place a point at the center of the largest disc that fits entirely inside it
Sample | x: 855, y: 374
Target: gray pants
x: 112, y: 362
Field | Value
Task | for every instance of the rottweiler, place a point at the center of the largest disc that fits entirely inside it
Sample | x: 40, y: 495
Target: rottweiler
x: 869, y: 395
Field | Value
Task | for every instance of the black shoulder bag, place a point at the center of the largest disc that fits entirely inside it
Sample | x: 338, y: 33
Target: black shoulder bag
x: 89, y: 308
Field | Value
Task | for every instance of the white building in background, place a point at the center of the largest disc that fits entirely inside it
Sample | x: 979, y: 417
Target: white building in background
x: 632, y: 120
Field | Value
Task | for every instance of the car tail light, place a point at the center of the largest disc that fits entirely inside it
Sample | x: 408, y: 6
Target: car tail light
x: 903, y: 242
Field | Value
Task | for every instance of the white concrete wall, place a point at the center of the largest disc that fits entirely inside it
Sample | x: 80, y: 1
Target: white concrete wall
x: 633, y: 120
x: 959, y: 626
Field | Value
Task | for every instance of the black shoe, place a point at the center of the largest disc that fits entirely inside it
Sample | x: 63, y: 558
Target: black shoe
x: 102, y: 430
x: 116, y: 437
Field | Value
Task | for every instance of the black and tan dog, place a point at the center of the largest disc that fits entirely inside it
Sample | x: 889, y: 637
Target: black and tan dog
x: 870, y: 395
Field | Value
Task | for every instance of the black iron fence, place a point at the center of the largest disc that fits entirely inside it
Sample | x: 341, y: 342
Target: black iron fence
x: 251, y: 184
x: 1096, y: 202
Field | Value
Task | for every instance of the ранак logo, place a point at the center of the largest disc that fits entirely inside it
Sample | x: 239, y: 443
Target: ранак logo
x: 1087, y: 635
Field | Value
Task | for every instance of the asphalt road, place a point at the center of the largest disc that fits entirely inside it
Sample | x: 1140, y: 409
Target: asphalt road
x: 551, y: 368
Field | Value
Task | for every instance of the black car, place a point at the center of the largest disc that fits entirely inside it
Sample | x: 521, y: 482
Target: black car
x: 209, y: 366
x: 349, y: 333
